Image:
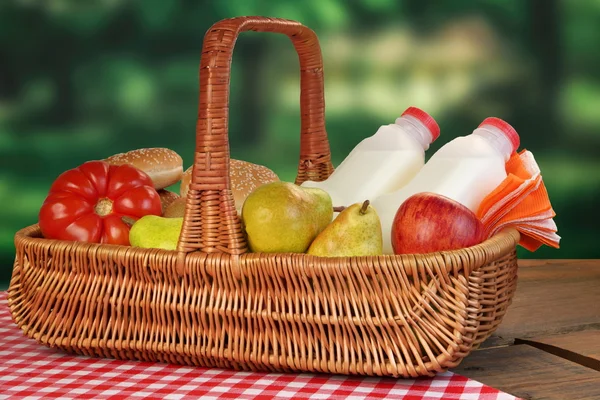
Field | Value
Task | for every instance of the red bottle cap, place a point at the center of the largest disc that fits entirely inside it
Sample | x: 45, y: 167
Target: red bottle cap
x: 425, y: 119
x: 505, y: 128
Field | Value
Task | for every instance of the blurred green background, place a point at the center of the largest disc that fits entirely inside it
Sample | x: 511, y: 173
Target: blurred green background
x: 83, y: 80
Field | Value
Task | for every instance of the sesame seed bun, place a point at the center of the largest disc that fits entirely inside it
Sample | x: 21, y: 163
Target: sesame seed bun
x: 167, y: 198
x: 245, y: 177
x: 164, y: 166
x: 176, y: 209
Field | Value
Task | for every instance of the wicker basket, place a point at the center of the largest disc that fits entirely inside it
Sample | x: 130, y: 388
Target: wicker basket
x: 212, y: 303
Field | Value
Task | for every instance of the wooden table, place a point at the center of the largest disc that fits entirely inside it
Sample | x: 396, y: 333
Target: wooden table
x: 548, y: 345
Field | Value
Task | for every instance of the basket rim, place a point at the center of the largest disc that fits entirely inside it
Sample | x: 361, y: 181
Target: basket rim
x: 504, y: 241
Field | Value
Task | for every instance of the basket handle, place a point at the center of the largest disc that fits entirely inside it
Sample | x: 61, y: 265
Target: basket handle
x: 210, y: 222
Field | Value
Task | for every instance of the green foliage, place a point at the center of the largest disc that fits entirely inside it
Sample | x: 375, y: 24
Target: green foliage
x: 84, y: 80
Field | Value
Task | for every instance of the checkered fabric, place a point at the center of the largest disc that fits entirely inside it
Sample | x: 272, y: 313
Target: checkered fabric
x: 29, y: 370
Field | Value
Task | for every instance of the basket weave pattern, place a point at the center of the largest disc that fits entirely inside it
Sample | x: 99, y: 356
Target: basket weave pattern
x: 211, y: 303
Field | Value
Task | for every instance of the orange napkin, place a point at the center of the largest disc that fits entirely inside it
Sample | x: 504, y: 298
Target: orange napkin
x: 521, y: 201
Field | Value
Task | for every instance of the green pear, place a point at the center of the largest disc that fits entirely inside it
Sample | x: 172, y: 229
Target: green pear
x: 152, y: 231
x: 282, y: 217
x: 323, y: 206
x: 356, y: 231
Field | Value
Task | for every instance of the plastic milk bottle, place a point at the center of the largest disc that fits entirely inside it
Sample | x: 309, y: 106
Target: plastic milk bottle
x: 384, y: 162
x: 465, y: 169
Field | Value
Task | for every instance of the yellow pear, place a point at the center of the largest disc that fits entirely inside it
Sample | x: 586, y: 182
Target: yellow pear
x: 152, y: 231
x: 356, y: 231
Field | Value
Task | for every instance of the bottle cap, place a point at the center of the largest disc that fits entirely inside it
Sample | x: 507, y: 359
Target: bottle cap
x: 425, y: 119
x: 508, y: 131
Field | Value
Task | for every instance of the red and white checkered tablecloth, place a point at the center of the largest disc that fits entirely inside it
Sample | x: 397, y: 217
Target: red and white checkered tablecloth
x: 29, y: 370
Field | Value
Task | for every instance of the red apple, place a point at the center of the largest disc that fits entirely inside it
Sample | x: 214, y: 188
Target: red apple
x: 428, y: 222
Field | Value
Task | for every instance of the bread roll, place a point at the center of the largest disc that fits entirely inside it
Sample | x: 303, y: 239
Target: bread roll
x: 164, y: 166
x: 176, y: 209
x: 245, y: 177
x: 167, y: 198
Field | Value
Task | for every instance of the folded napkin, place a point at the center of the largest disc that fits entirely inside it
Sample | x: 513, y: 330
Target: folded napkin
x: 521, y: 201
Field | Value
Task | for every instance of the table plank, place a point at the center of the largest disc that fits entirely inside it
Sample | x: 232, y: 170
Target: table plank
x: 586, y: 343
x: 553, y: 297
x: 530, y: 373
x: 581, y: 347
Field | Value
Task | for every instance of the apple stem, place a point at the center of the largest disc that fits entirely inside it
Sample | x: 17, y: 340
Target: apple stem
x: 364, y: 207
x: 339, y: 209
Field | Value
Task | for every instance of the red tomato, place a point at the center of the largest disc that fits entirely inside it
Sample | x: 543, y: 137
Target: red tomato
x: 87, y: 203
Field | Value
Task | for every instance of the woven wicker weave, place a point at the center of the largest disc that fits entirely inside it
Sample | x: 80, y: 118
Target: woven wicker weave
x: 211, y: 303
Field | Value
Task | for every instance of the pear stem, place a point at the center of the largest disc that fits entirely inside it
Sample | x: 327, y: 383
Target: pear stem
x: 128, y: 221
x: 364, y: 207
x: 339, y: 209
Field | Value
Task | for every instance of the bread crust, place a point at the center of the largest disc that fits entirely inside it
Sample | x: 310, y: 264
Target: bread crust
x: 245, y: 177
x: 163, y: 165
